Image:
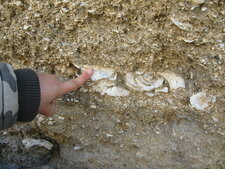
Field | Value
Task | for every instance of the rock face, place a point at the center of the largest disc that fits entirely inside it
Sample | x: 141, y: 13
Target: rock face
x: 157, y: 97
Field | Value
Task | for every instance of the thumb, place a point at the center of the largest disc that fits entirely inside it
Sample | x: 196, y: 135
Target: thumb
x: 74, y: 84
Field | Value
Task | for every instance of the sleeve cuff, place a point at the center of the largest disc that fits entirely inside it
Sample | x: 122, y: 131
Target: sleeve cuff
x: 28, y: 94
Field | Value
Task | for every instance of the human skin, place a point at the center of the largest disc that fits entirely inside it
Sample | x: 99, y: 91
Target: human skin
x: 52, y: 88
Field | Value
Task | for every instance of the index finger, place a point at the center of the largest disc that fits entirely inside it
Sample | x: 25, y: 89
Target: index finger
x: 74, y: 84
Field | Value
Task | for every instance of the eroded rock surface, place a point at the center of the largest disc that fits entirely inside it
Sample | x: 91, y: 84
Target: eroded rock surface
x: 143, y: 108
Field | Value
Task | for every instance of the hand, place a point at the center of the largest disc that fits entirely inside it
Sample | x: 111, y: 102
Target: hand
x: 52, y: 88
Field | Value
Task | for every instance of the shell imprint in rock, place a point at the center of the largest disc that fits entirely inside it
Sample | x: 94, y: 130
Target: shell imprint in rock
x: 143, y: 82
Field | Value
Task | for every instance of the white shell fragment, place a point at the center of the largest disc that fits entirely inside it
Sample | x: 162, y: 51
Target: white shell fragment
x: 181, y: 25
x: 110, y: 88
x: 39, y: 120
x: 143, y: 82
x: 199, y: 101
x: 175, y: 81
x: 104, y: 73
x: 28, y: 143
x: 104, y: 78
x: 163, y: 90
x: 61, y: 118
x: 76, y: 148
x: 100, y: 72
x: 150, y: 94
x: 116, y: 91
x: 186, y: 39
x: 93, y: 106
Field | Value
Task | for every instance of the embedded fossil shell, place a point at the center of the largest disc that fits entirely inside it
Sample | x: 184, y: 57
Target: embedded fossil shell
x: 181, y: 25
x: 175, y: 81
x: 143, y: 82
x: 28, y: 143
x: 199, y: 101
x: 116, y: 91
x: 110, y: 88
x: 100, y: 72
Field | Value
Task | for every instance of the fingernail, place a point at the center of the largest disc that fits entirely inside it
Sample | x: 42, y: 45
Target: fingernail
x: 90, y: 71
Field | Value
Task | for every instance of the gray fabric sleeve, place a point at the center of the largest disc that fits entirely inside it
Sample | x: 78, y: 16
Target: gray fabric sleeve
x: 8, y: 96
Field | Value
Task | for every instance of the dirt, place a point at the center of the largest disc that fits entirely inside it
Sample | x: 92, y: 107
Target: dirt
x: 92, y: 130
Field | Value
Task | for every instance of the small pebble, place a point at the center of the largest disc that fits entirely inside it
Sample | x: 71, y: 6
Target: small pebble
x: 138, y: 154
x: 91, y: 11
x: 77, y: 148
x: 25, y: 27
x: 93, y: 106
x: 83, y: 4
x: 108, y: 135
x: 61, y: 118
x: 50, y: 123
x: 150, y: 94
x: 65, y: 10
x: 40, y: 119
x: 215, y: 119
x: 203, y: 9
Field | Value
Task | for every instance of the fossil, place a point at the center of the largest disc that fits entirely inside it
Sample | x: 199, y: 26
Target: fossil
x: 199, y: 101
x: 100, y: 72
x: 110, y: 88
x: 175, y: 81
x: 144, y: 82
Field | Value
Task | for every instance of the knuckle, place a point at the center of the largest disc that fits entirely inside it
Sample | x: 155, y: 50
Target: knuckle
x: 74, y: 81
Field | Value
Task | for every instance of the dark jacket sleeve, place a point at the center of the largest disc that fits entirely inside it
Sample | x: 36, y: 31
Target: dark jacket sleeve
x: 19, y: 95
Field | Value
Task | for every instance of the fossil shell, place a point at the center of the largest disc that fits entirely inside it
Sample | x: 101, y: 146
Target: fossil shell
x: 110, y: 88
x: 175, y: 81
x: 100, y: 72
x: 143, y: 82
x: 28, y: 143
x: 199, y: 101
x: 181, y: 25
x: 116, y: 91
x: 163, y: 90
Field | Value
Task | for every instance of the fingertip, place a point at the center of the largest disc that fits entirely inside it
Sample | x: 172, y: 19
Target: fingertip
x: 86, y: 74
x: 89, y: 71
x: 74, y: 84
